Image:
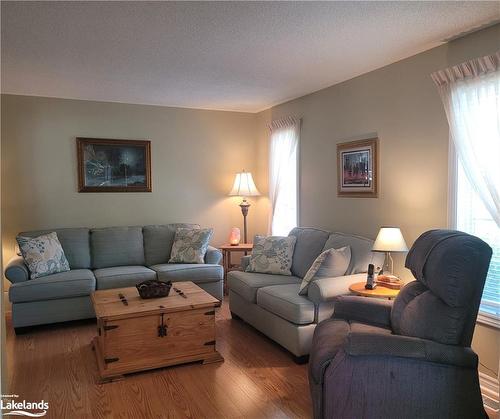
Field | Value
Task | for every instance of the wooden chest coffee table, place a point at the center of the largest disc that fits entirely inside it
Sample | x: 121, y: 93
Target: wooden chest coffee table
x: 136, y: 334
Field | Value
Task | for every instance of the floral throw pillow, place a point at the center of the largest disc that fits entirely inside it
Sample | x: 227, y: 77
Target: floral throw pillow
x: 272, y: 255
x: 329, y: 264
x: 190, y: 245
x: 43, y: 255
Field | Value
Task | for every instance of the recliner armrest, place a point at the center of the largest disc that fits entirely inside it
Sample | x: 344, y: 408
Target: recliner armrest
x: 378, y: 344
x: 213, y: 256
x: 326, y: 289
x: 16, y: 270
x: 373, y: 311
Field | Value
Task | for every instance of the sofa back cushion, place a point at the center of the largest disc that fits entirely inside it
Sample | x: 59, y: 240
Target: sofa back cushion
x: 116, y: 246
x: 75, y: 243
x: 158, y: 240
x: 308, y: 246
x: 361, y: 251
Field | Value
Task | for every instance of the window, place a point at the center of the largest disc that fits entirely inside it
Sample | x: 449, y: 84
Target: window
x: 283, y: 175
x: 471, y: 97
x: 472, y: 217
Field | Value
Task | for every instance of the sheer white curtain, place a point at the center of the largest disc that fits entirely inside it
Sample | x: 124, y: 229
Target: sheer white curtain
x: 471, y: 96
x: 283, y: 175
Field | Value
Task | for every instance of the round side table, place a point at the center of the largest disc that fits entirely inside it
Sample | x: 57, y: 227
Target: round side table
x: 379, y: 292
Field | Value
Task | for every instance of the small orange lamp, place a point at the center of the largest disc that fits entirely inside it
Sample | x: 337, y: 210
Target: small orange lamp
x: 234, y: 236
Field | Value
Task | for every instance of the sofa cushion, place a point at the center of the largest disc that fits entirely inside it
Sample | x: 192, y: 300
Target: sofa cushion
x: 198, y: 273
x: 43, y: 255
x: 246, y: 284
x: 272, y: 255
x: 75, y: 243
x: 158, y: 240
x: 190, y: 245
x: 361, y: 251
x: 74, y: 283
x: 122, y: 276
x: 285, y: 302
x: 329, y: 264
x: 309, y: 245
x: 116, y: 246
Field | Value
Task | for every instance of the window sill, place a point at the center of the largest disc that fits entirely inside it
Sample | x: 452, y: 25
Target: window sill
x: 488, y: 320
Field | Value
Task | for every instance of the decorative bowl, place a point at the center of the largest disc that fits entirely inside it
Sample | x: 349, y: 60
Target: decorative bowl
x: 154, y: 288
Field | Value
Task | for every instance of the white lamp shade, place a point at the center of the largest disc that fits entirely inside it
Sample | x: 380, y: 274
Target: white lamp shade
x: 390, y: 239
x: 244, y: 185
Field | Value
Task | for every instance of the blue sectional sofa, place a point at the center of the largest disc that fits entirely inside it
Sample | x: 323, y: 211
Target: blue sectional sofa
x: 103, y: 258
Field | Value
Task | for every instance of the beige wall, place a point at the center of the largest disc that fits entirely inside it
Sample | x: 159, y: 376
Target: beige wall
x: 400, y: 104
x: 195, y: 155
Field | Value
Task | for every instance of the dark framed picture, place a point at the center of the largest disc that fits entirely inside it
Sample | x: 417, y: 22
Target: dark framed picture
x: 357, y: 167
x: 106, y: 165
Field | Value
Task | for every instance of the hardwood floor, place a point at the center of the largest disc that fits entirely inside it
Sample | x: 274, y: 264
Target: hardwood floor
x: 257, y: 380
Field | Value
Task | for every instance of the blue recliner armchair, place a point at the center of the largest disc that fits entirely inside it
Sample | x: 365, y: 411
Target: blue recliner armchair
x: 410, y: 358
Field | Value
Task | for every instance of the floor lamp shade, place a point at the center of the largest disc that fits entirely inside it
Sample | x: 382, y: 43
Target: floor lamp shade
x: 244, y: 186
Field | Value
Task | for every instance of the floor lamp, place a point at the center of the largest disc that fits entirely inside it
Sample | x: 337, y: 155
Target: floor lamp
x: 244, y: 186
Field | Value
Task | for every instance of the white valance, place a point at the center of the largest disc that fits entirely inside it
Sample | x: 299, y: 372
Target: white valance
x: 287, y: 122
x: 469, y: 69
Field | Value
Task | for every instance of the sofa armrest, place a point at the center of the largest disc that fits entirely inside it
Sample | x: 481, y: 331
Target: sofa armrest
x: 365, y: 310
x: 245, y: 261
x: 16, y: 270
x: 380, y: 344
x: 326, y: 289
x: 213, y: 256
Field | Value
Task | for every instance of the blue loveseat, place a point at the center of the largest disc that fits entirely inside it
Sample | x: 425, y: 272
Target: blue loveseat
x: 272, y: 304
x: 103, y: 258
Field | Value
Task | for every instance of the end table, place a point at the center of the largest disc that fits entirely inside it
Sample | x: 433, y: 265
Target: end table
x: 227, y: 249
x: 379, y: 292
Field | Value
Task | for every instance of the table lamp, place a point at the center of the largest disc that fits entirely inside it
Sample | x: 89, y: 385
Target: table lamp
x: 244, y: 186
x: 389, y: 239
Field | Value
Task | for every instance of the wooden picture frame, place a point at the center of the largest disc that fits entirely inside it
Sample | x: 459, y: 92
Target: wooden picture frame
x: 357, y: 169
x: 109, y: 165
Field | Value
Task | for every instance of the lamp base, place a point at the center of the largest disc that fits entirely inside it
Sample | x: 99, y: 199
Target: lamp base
x: 388, y: 268
x: 244, y: 210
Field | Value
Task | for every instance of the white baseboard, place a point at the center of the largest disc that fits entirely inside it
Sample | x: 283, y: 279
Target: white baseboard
x: 490, y: 391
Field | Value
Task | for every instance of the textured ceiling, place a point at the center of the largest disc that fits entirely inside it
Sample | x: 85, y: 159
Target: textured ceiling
x: 243, y: 56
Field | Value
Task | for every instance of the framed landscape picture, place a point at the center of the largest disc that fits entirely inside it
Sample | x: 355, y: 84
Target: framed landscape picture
x: 357, y: 166
x: 106, y: 165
